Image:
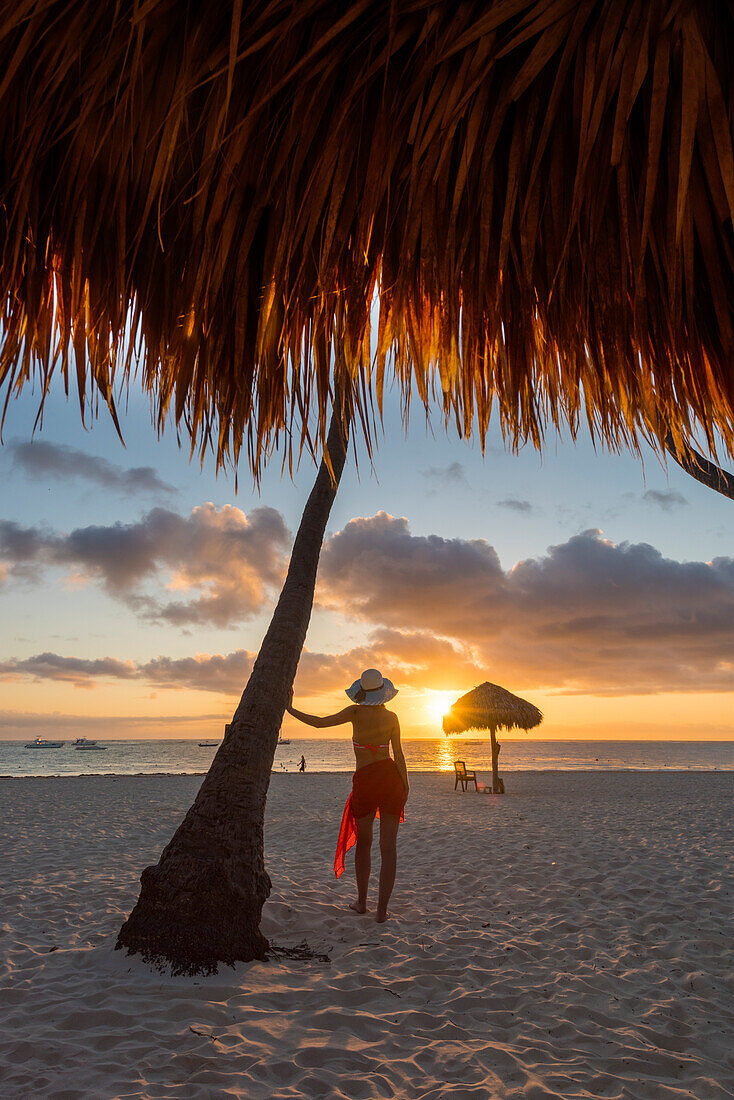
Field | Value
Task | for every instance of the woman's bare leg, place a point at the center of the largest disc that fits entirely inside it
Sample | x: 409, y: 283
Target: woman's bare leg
x: 389, y: 858
x: 363, y: 861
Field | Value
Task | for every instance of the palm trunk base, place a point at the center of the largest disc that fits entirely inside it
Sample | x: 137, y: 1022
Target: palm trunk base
x: 190, y: 916
x: 201, y: 904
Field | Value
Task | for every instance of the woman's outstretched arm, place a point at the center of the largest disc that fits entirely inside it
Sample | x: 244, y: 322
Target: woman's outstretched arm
x: 320, y: 723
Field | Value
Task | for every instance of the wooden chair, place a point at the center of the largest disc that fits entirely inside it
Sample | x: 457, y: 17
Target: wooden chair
x: 463, y: 776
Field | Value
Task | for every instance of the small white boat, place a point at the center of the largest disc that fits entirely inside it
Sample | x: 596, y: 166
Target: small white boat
x: 283, y: 741
x: 39, y: 743
x: 208, y: 744
x: 82, y: 743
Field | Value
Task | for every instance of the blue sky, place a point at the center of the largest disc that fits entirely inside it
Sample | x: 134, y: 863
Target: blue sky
x: 519, y: 504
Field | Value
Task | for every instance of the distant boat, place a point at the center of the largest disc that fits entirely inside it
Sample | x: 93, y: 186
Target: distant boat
x: 283, y: 741
x: 82, y: 743
x: 39, y: 743
x: 208, y: 744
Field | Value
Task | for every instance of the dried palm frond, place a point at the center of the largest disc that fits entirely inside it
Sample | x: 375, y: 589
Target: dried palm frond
x: 539, y: 193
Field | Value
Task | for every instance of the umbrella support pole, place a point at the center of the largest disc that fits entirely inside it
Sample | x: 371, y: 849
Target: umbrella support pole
x: 497, y: 785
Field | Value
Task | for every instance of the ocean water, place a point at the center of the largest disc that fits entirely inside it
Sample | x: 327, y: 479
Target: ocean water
x: 186, y: 757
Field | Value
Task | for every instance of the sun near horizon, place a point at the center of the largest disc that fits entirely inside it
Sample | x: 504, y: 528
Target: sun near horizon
x: 124, y: 711
x: 437, y: 703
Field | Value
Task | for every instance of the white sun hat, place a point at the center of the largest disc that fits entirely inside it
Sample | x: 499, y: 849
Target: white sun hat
x: 371, y: 689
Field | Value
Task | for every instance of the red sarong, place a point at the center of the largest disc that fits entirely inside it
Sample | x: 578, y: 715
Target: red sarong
x: 377, y: 787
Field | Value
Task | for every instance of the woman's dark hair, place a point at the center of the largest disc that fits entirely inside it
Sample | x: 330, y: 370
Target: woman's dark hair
x: 360, y: 695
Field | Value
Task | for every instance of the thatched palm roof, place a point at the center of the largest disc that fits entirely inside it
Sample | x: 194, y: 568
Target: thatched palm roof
x: 489, y: 706
x: 540, y: 191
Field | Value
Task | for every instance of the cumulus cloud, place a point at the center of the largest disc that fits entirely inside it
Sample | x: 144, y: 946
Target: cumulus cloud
x: 71, y: 670
x: 667, y: 499
x: 376, y: 569
x: 222, y: 561
x: 205, y: 672
x: 413, y: 658
x: 222, y: 673
x: 589, y: 615
x: 54, y: 460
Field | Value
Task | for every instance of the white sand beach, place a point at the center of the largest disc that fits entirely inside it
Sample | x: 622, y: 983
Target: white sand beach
x: 570, y: 939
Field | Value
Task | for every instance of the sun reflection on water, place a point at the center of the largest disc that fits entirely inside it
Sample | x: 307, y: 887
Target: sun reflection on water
x: 445, y: 751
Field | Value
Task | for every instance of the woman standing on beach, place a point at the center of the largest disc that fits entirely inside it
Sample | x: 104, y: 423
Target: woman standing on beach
x: 380, y: 783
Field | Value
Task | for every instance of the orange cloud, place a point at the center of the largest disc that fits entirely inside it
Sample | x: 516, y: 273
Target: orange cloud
x: 589, y: 616
x: 414, y: 659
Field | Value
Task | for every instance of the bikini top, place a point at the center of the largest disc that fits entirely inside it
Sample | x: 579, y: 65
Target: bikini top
x: 372, y: 748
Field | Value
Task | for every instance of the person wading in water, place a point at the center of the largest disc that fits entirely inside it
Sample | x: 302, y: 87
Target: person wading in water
x: 380, y: 783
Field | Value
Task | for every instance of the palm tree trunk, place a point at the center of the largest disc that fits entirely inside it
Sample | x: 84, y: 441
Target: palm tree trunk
x: 201, y: 904
x: 496, y: 784
x: 702, y: 469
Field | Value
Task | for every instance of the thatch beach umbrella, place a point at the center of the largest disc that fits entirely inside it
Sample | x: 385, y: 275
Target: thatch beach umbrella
x: 490, y: 707
x: 538, y: 195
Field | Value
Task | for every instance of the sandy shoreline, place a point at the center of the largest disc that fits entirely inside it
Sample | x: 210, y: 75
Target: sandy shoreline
x: 482, y: 773
x: 572, y: 939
